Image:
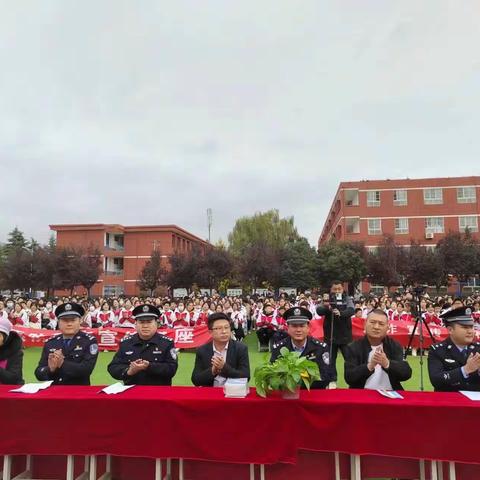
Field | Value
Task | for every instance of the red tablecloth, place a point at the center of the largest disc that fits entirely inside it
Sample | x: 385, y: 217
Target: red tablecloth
x: 199, y: 423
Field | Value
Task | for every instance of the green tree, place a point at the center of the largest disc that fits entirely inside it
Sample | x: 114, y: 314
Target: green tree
x: 266, y: 229
x: 341, y: 261
x: 299, y: 265
x: 16, y: 241
x: 153, y: 274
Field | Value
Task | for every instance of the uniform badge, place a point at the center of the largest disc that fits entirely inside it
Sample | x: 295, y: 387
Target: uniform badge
x: 145, y: 308
x: 173, y: 353
x: 129, y: 353
x: 93, y: 349
x: 449, y: 360
x: 68, y: 307
x: 78, y: 347
x: 326, y: 358
x: 468, y: 311
x: 297, y: 311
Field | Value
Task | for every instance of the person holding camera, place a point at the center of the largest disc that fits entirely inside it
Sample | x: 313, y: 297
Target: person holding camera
x: 337, y: 310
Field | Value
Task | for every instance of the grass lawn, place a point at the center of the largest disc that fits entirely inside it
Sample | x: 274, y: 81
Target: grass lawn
x: 186, y: 360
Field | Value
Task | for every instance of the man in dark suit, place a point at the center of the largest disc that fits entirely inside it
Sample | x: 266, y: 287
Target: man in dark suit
x: 376, y: 360
x: 298, y: 340
x: 454, y: 364
x: 222, y: 358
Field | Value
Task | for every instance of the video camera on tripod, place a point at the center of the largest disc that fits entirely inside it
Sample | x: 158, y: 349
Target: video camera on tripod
x: 338, y: 301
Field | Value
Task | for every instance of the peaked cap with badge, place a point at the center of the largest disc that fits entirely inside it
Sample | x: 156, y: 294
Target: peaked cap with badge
x: 462, y: 315
x: 297, y: 315
x: 145, y: 312
x: 69, y: 310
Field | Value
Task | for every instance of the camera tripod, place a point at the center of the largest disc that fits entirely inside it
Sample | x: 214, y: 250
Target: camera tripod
x: 419, y: 323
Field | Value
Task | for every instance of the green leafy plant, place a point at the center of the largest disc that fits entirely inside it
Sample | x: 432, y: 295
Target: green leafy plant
x: 288, y: 372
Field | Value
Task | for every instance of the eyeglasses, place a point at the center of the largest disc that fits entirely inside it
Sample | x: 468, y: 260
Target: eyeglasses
x: 221, y: 329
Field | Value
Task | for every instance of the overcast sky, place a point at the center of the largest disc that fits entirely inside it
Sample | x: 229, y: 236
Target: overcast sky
x: 150, y: 112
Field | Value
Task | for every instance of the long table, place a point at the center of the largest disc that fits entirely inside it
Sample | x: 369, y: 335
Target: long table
x: 200, y: 424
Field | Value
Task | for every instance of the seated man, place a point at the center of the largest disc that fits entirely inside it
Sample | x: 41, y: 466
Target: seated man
x: 376, y: 360
x: 222, y: 358
x: 298, y: 340
x: 68, y: 358
x: 146, y: 358
x: 454, y: 364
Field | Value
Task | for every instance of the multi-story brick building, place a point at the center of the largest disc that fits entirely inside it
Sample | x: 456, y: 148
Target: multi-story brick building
x: 125, y: 250
x: 423, y: 210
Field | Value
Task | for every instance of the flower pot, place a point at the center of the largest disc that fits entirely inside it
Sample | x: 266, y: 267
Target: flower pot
x: 288, y: 395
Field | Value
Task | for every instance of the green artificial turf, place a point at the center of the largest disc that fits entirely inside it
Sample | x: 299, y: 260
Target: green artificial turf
x: 186, y: 360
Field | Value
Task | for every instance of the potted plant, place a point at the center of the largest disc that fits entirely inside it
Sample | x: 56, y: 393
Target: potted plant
x: 286, y: 374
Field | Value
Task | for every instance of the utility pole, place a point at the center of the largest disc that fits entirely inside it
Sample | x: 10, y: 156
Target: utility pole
x: 209, y: 223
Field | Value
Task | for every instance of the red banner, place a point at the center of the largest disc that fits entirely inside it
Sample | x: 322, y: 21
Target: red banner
x: 109, y: 338
x: 400, y: 331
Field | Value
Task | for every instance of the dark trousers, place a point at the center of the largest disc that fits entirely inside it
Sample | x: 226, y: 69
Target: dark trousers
x: 334, y: 348
x: 264, y: 335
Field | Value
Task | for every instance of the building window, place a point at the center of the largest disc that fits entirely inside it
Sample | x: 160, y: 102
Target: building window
x: 470, y: 222
x: 373, y: 198
x: 351, y: 198
x: 352, y: 225
x: 432, y: 196
x: 372, y: 250
x: 401, y: 225
x: 434, y: 225
x: 466, y: 195
x: 400, y: 197
x: 374, y: 226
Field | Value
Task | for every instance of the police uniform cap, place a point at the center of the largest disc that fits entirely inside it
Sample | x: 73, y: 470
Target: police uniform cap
x: 145, y: 312
x: 462, y: 315
x: 297, y: 315
x: 69, y: 310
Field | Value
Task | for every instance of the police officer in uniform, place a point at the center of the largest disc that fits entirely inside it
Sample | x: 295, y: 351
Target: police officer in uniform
x: 68, y: 358
x: 298, y: 340
x: 146, y: 358
x: 454, y: 364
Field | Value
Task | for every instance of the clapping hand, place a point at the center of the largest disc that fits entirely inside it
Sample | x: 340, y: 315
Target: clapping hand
x: 473, y: 363
x: 55, y: 360
x: 217, y: 364
x: 137, y: 366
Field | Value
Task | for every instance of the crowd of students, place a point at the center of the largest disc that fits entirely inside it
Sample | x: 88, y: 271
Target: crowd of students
x: 249, y: 312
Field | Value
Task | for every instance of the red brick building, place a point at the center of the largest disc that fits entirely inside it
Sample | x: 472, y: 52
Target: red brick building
x: 125, y: 250
x: 422, y: 210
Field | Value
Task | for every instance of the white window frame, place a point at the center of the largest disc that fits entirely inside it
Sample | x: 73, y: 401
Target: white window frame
x: 463, y: 218
x: 375, y: 202
x: 400, y: 201
x: 430, y: 226
x: 374, y: 231
x: 401, y: 230
x: 469, y: 198
x: 433, y: 196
